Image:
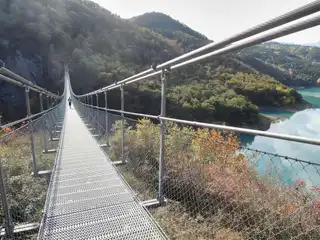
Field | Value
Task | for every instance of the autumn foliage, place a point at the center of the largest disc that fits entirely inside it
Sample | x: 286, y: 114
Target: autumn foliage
x: 4, y: 131
x: 210, y: 174
x: 211, y: 147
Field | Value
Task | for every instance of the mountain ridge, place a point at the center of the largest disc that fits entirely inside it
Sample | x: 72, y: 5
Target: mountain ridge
x: 102, y: 48
x: 280, y: 70
x: 177, y: 32
x: 156, y: 20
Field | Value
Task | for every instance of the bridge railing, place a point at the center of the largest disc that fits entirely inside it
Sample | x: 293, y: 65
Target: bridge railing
x: 211, y: 184
x: 208, y: 184
x: 27, y: 153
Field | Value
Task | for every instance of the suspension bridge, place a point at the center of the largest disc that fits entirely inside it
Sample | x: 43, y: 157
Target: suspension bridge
x: 88, y: 199
x: 105, y: 180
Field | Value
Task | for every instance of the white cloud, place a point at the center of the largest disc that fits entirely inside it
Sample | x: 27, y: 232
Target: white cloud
x: 306, y: 124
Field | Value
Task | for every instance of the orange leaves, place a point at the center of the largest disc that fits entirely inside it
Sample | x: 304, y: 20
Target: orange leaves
x: 214, y: 147
x: 7, y: 130
x: 210, y: 168
x: 289, y: 208
x: 214, y: 138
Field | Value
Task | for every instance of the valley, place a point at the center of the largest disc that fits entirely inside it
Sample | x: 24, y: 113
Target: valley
x: 101, y: 48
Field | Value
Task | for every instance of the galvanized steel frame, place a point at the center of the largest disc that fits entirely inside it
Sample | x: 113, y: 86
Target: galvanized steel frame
x: 12, y: 78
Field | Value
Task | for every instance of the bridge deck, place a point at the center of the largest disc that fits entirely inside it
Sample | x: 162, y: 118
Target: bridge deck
x: 87, y: 197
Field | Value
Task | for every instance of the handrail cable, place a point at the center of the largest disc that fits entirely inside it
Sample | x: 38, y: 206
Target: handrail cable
x: 276, y: 22
x: 312, y: 22
x: 28, y: 118
x: 15, y: 82
x: 251, y: 42
x: 11, y: 77
x: 219, y: 127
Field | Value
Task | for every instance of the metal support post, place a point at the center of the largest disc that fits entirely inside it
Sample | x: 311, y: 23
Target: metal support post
x: 33, y: 149
x: 122, y: 125
x: 84, y: 108
x: 48, y: 102
x: 91, y: 110
x: 78, y: 101
x: 164, y: 78
x: 97, y: 115
x: 43, y: 126
x: 107, y: 117
x: 82, y: 105
x: 87, y: 108
x: 49, y: 121
x: 54, y: 120
x: 8, y: 225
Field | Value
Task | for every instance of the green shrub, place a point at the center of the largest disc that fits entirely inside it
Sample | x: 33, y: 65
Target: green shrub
x: 207, y: 173
x: 25, y: 194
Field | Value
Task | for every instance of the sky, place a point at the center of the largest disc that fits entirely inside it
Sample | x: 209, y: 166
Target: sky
x: 217, y: 19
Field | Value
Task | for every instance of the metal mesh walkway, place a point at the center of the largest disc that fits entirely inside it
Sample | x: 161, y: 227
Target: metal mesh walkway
x: 87, y: 198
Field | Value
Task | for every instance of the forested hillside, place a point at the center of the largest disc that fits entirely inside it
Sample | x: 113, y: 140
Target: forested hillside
x: 38, y: 36
x: 179, y: 33
x: 293, y: 65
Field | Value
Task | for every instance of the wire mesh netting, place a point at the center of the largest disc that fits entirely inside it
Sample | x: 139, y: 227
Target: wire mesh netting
x: 221, y: 190
x: 215, y: 187
x: 47, y: 131
x: 141, y: 160
x: 140, y: 167
x: 25, y: 193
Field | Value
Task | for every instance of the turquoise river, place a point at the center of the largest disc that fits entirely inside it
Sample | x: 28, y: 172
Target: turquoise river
x: 304, y: 123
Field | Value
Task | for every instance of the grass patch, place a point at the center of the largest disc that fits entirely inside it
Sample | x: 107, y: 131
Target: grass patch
x: 26, y: 194
x: 182, y: 226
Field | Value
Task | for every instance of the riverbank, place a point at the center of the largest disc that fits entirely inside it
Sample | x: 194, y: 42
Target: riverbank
x: 304, y: 87
x: 263, y: 123
x: 290, y: 108
x: 268, y: 115
x: 308, y: 102
x: 298, y: 107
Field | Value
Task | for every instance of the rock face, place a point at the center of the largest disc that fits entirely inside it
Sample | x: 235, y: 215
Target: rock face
x: 29, y: 66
